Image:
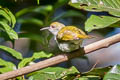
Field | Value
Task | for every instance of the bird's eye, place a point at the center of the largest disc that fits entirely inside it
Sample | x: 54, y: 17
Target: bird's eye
x: 53, y: 26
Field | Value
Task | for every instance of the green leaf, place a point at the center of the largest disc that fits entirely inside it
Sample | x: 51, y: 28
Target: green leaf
x: 72, y: 70
x: 38, y: 2
x: 24, y: 62
x: 36, y: 55
x: 70, y: 13
x: 89, y: 78
x: 13, y: 19
x: 40, y: 9
x: 12, y: 34
x: 51, y: 73
x: 60, y: 3
x: 98, y: 22
x: 113, y: 74
x: 32, y: 36
x: 11, y: 51
x: 98, y: 71
x: 6, y: 66
x: 8, y: 15
x: 111, y: 6
x: 5, y: 15
x: 31, y: 20
x: 41, y: 54
x: 70, y: 74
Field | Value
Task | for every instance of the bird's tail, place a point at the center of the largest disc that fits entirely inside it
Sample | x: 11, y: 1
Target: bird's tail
x: 86, y: 36
x: 90, y: 36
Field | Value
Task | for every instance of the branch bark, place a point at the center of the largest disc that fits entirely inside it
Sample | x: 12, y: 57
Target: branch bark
x: 62, y: 57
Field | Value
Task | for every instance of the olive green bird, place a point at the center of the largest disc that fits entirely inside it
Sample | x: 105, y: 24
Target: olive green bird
x: 68, y: 38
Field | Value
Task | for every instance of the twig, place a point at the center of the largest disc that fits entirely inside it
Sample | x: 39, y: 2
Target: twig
x: 62, y: 57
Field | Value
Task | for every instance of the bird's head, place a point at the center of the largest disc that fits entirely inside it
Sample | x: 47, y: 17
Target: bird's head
x: 54, y: 27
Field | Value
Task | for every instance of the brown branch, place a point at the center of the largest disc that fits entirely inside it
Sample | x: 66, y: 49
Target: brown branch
x: 62, y: 57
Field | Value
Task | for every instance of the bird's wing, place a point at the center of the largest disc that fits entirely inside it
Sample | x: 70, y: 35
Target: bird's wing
x: 71, y: 33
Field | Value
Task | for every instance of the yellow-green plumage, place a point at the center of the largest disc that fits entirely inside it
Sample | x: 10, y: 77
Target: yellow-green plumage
x: 71, y: 33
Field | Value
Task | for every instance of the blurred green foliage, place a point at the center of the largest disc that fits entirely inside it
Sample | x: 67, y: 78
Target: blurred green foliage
x: 7, y: 23
x: 101, y: 21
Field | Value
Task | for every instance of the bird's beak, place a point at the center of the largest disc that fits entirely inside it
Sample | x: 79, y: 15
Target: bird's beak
x: 44, y: 28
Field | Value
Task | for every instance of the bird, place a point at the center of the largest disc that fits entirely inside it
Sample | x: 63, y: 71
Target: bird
x: 68, y: 38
